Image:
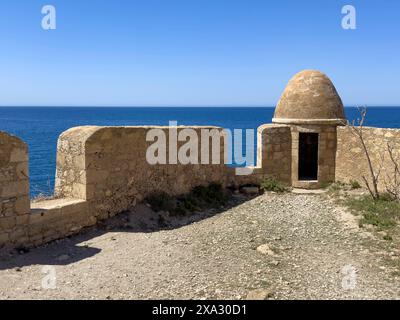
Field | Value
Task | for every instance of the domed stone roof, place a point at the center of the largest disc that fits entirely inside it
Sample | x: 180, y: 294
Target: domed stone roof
x: 309, y: 98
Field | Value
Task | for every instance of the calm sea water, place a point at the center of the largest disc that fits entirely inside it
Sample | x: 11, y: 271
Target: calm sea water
x: 41, y: 126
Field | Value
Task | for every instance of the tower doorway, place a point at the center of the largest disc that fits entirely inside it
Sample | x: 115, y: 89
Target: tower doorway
x: 308, y: 156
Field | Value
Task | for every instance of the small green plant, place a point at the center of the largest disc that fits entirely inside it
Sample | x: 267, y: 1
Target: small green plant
x: 387, y: 237
x: 337, y: 185
x: 325, y: 185
x: 340, y: 188
x: 212, y: 195
x: 382, y: 213
x: 201, y: 197
x: 334, y: 187
x: 179, y: 210
x: 355, y: 184
x: 377, y: 220
x: 271, y: 184
x: 161, y: 201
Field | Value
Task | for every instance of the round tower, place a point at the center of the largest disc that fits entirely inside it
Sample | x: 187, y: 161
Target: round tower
x: 312, y: 108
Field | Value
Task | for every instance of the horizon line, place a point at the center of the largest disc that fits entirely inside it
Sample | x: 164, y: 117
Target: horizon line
x: 184, y: 106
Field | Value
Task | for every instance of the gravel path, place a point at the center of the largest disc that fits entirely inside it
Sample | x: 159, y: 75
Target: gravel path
x: 290, y: 246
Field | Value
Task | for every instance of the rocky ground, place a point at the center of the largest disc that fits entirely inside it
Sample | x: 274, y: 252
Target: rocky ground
x: 289, y: 246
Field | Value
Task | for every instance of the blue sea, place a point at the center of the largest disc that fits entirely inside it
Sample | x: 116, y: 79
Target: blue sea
x: 41, y: 126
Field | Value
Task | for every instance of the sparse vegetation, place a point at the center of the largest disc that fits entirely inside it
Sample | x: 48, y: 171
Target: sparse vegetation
x: 161, y: 201
x: 381, y: 208
x: 383, y: 213
x: 357, y: 128
x: 337, y: 186
x: 213, y: 195
x: 355, y: 184
x: 325, y: 185
x: 387, y: 237
x: 274, y: 185
x: 340, y: 185
x: 392, y: 181
x: 201, y: 197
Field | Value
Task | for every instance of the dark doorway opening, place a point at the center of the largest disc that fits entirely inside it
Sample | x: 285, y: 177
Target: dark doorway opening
x: 308, y: 156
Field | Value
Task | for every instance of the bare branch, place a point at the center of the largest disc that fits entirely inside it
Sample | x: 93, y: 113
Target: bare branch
x: 358, y: 131
x: 393, y: 186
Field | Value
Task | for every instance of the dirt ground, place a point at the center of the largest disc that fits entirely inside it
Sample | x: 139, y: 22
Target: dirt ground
x: 289, y: 246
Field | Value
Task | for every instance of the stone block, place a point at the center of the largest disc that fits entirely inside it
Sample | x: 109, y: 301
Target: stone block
x: 22, y: 220
x: 4, y: 239
x: 19, y: 155
x: 22, y: 205
x: 22, y: 171
x: 15, y: 188
x: 19, y: 235
x: 7, y: 223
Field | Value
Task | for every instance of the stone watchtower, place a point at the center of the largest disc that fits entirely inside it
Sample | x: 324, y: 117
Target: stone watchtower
x: 312, y: 108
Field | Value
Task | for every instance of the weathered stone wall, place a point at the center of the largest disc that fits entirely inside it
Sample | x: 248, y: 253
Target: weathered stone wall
x: 21, y: 225
x: 71, y: 162
x: 274, y: 151
x: 273, y: 157
x: 107, y: 166
x: 14, y: 185
x: 56, y: 218
x: 102, y: 171
x: 351, y: 162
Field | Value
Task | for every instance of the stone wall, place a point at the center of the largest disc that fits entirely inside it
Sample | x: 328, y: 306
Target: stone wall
x: 56, y: 218
x: 14, y: 186
x: 351, y: 162
x: 274, y: 151
x: 273, y: 157
x: 107, y: 166
x: 71, y: 162
x: 23, y: 224
x: 102, y: 171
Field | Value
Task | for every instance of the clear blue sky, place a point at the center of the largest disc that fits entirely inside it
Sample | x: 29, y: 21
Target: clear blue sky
x: 194, y: 52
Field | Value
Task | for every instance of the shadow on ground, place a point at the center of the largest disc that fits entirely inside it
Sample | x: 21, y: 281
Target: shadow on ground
x: 140, y: 219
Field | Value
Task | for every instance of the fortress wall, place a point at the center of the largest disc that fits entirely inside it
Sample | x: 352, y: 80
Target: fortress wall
x: 327, y: 148
x: 351, y: 162
x: 57, y: 218
x: 48, y: 220
x: 273, y: 157
x: 71, y: 162
x: 107, y: 166
x: 274, y: 151
x: 14, y: 186
x: 102, y: 171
